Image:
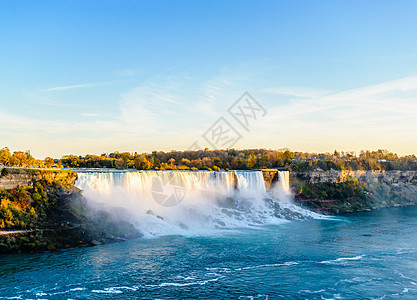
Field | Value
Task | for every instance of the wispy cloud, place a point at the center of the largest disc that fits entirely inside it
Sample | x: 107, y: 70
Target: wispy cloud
x: 76, y: 86
x: 303, y: 92
x: 170, y: 112
x: 219, y: 92
x: 374, y: 116
x: 91, y: 115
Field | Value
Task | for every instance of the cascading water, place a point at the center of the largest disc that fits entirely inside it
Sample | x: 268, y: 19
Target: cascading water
x: 250, y: 181
x: 281, y: 188
x: 190, y: 202
x: 284, y: 181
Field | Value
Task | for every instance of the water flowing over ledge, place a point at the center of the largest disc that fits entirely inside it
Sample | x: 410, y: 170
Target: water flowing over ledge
x: 190, y: 202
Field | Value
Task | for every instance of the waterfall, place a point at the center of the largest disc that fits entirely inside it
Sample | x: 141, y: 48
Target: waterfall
x: 282, y: 186
x: 251, y: 181
x: 141, y: 182
x: 188, y: 202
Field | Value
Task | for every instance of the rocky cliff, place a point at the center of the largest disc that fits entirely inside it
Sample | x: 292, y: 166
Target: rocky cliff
x: 12, y: 178
x: 387, y: 177
x: 337, y: 192
x: 46, y: 212
x: 270, y: 176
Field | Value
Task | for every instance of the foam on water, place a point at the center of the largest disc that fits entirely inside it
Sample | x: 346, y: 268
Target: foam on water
x: 342, y: 259
x: 192, y: 203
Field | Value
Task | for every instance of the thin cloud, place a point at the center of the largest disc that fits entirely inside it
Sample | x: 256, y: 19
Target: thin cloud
x: 76, y: 86
x: 160, y: 115
x: 302, y: 92
x: 92, y: 115
x: 373, y: 116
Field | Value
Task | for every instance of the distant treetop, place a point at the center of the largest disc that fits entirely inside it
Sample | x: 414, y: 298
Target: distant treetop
x: 215, y: 160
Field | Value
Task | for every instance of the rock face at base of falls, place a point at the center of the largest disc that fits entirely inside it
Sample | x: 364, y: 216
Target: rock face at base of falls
x: 270, y: 176
x: 338, y: 192
x: 47, y: 213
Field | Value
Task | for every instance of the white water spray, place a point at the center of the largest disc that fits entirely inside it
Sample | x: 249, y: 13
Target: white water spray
x: 203, y: 201
x: 281, y: 188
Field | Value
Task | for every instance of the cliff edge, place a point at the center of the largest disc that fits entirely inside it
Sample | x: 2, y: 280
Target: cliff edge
x: 338, y: 192
x: 41, y: 210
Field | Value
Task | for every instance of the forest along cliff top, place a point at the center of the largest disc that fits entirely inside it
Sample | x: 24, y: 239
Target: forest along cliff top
x: 14, y: 177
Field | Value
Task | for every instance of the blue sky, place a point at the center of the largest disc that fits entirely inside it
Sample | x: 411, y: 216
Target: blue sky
x: 97, y: 76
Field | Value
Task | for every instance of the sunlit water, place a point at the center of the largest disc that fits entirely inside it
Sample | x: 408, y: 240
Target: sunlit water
x: 369, y: 255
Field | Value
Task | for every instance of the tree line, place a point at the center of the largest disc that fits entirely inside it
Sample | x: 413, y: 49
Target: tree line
x: 248, y: 159
x: 212, y: 160
x: 215, y: 160
x: 25, y: 159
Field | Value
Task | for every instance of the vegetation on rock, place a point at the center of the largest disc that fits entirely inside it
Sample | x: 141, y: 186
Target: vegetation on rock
x: 54, y: 215
x: 353, y: 195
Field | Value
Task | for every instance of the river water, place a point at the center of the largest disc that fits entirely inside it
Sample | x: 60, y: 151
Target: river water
x: 369, y: 255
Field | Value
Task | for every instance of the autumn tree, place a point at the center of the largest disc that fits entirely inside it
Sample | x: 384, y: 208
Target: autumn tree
x: 5, y: 157
x: 49, y: 162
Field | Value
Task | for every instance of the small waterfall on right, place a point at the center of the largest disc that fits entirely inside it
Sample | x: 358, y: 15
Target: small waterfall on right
x: 281, y: 188
x: 282, y: 196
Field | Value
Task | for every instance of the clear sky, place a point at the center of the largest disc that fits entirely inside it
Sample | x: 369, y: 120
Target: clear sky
x: 80, y: 77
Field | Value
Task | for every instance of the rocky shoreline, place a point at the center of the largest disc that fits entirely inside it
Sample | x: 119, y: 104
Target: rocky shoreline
x: 340, y: 192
